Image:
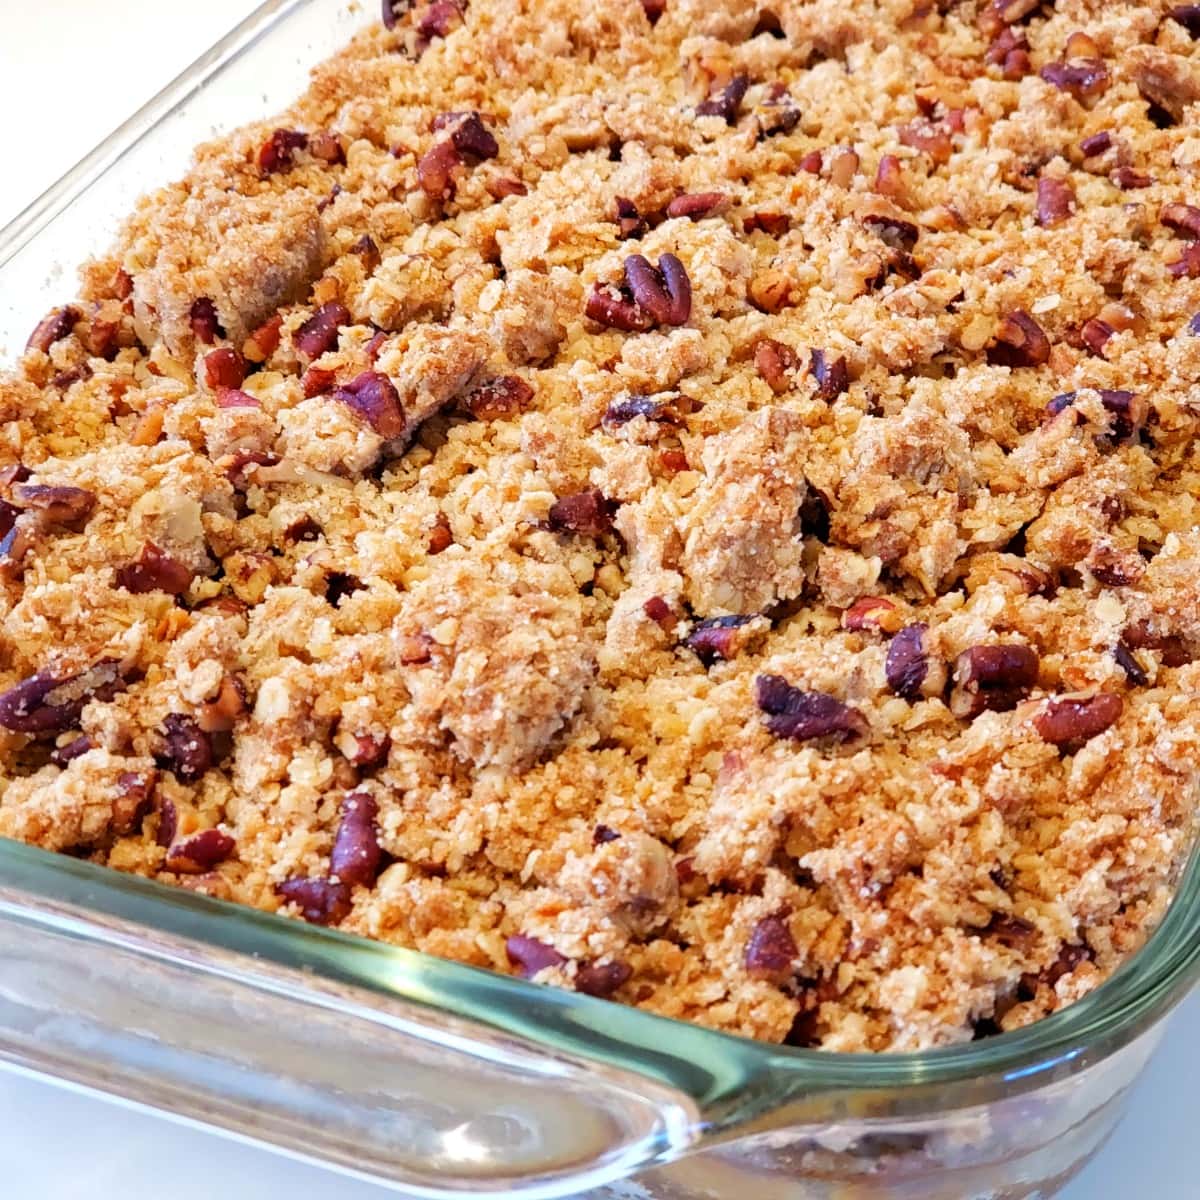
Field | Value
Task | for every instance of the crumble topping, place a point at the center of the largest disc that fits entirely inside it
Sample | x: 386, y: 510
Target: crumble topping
x: 687, y: 501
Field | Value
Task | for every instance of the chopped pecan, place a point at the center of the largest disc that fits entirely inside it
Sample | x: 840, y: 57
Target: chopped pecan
x: 660, y: 612
x: 224, y: 368
x: 374, y: 397
x: 587, y: 513
x: 803, y: 716
x: 1188, y: 15
x: 1167, y: 83
x: 1014, y: 932
x: 55, y: 504
x: 187, y: 750
x: 608, y: 306
x: 278, y: 152
x: 1096, y: 144
x: 654, y: 10
x: 316, y: 381
x: 1126, y: 660
x: 773, y: 224
x: 771, y: 950
x: 727, y: 102
x: 1081, y: 78
x: 530, y: 956
x: 53, y: 328
x: 894, y: 232
x: 1183, y: 218
x: 327, y: 146
x: 889, y: 178
x: 1095, y: 335
x: 154, y: 571
x: 630, y: 223
x: 472, y: 138
x: 1069, y: 724
x: 716, y: 638
x: 603, y: 834
x: 1055, y: 201
x: 1129, y: 179
x: 667, y: 408
x: 320, y: 901
x: 774, y: 362
x: 441, y: 537
x: 907, y: 664
x: 220, y: 714
x: 872, y: 614
x: 1187, y: 265
x: 832, y: 375
x: 206, y: 325
x: 75, y: 748
x: 602, y: 979
x: 319, y: 334
x: 368, y: 751
x: 264, y: 341
x: 357, y: 856
x: 367, y: 249
x: 992, y: 677
x: 928, y: 138
x: 44, y: 703
x: 200, y: 852
x: 1173, y: 650
x: 436, y: 169
x: 499, y: 399
x: 438, y: 20
x: 697, y: 205
x: 1020, y: 342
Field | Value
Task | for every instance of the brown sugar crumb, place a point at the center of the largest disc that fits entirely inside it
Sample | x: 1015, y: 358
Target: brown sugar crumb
x: 579, y: 494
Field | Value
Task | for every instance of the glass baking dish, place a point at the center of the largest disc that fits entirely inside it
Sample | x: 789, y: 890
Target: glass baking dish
x: 441, y: 1080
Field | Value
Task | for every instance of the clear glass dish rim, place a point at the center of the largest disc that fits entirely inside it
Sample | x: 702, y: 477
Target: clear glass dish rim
x: 1145, y: 988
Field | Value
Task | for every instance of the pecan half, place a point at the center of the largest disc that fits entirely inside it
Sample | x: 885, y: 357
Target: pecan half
x: 771, y: 950
x: 994, y: 677
x: 278, y: 152
x: 716, y: 638
x: 832, y: 375
x: 607, y: 306
x: 1020, y: 342
x: 319, y: 334
x: 499, y: 399
x: 665, y: 293
x: 530, y: 956
x: 726, y: 102
x: 186, y: 750
x: 803, y: 716
x: 357, y: 856
x: 588, y: 513
x: 44, y: 703
x: 374, y: 397
x: 1055, y: 202
x: 200, y: 852
x: 154, y: 571
x: 53, y: 328
x: 320, y: 901
x: 1069, y: 724
x: 602, y: 979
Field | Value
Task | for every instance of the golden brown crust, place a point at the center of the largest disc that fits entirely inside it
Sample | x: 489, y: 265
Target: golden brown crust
x: 813, y: 660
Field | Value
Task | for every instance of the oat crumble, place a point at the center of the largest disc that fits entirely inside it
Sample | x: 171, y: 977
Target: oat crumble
x: 690, y: 501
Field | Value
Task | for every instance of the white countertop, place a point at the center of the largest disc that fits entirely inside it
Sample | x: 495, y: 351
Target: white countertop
x: 60, y: 93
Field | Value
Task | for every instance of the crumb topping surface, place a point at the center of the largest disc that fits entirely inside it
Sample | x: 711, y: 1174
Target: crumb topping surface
x: 690, y: 501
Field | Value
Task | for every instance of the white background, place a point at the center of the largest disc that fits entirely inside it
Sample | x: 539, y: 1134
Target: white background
x: 71, y: 70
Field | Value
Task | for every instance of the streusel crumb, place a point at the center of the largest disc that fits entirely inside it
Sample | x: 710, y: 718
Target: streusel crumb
x: 690, y: 501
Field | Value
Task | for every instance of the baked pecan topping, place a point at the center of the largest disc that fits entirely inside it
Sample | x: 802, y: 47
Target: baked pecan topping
x: 200, y: 852
x: 1183, y: 218
x: 499, y: 399
x: 1020, y: 342
x: 602, y: 979
x: 187, y: 750
x: 774, y: 362
x: 357, y: 856
x: 771, y: 950
x: 44, y: 703
x: 320, y: 901
x: 530, y: 956
x: 716, y: 638
x: 374, y: 397
x: 319, y: 334
x: 1083, y: 78
x: 995, y: 677
x: 53, y: 328
x: 587, y: 513
x: 154, y: 571
x: 224, y: 368
x: 1069, y: 724
x: 727, y: 102
x: 907, y: 662
x: 1055, y: 202
x: 697, y: 205
x: 278, y: 152
x: 55, y: 504
x: 832, y: 375
x: 804, y: 716
x: 206, y: 326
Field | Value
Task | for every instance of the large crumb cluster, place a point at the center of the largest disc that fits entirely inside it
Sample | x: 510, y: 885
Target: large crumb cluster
x: 689, y: 500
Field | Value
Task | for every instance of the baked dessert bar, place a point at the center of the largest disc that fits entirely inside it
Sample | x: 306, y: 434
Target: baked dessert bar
x: 689, y: 501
